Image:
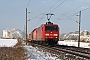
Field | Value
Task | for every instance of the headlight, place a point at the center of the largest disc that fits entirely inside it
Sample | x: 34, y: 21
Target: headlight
x: 47, y: 34
x: 55, y: 34
x: 56, y: 37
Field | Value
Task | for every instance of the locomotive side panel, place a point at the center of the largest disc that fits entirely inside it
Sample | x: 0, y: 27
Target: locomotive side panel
x: 30, y: 37
x: 43, y: 33
x: 40, y: 32
x: 34, y: 34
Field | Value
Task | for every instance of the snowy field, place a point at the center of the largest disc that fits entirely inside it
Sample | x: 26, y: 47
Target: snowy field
x: 7, y: 42
x: 82, y: 44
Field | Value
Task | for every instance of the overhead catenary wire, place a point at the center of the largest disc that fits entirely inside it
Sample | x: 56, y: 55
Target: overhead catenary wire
x: 73, y: 15
x: 72, y: 18
x: 54, y: 8
x: 81, y: 10
x: 75, y: 9
x: 50, y: 8
x: 85, y: 9
x: 45, y: 11
x: 53, y: 5
x: 58, y: 5
x: 65, y: 19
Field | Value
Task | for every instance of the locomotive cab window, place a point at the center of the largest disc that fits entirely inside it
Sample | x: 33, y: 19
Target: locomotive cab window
x: 51, y: 28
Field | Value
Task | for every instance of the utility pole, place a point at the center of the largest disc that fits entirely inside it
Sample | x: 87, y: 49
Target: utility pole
x: 79, y: 28
x: 26, y: 26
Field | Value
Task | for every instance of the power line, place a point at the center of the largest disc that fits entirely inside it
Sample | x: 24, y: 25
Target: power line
x: 85, y: 9
x: 54, y: 4
x: 81, y: 10
x: 67, y: 18
x: 73, y: 15
x: 58, y: 6
x: 49, y: 9
x: 70, y: 18
x: 76, y: 9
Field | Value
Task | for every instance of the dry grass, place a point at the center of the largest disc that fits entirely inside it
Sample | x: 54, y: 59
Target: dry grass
x: 13, y: 53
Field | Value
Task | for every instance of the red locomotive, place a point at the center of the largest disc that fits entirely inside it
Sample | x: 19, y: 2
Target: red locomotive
x: 47, y: 33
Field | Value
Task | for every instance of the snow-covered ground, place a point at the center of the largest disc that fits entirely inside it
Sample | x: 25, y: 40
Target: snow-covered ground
x: 32, y: 52
x: 35, y: 54
x: 68, y: 43
x: 7, y: 42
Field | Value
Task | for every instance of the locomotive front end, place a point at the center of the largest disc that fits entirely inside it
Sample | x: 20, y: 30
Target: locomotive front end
x: 52, y: 34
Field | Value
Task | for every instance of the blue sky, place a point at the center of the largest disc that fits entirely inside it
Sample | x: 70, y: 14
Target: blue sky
x: 12, y: 14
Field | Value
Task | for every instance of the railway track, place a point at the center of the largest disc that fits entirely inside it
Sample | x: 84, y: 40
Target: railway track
x: 65, y: 52
x: 76, y: 49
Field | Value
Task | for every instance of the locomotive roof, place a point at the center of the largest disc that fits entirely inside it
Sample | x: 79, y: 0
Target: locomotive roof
x: 34, y: 29
x: 47, y: 24
x: 50, y: 24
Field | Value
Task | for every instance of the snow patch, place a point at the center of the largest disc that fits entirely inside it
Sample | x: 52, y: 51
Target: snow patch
x: 35, y: 54
x: 82, y: 44
x: 8, y: 42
